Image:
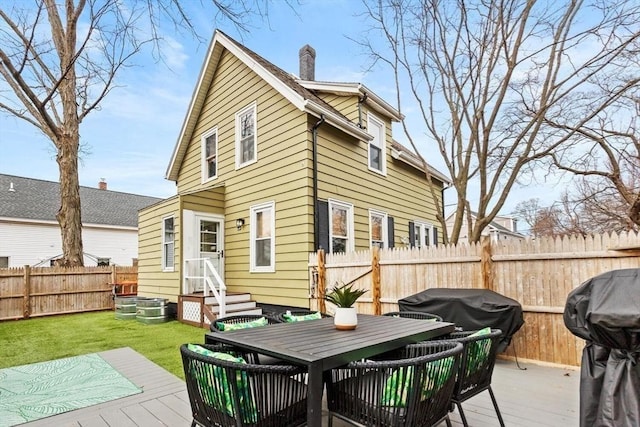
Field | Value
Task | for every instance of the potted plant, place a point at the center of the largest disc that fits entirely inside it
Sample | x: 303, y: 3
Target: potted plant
x: 344, y: 296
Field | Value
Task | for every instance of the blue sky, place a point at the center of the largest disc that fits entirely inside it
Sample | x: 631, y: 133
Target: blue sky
x: 130, y: 140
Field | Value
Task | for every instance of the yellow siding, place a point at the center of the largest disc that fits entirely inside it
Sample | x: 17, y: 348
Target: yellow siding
x: 347, y: 105
x: 152, y: 281
x: 344, y: 175
x: 281, y: 174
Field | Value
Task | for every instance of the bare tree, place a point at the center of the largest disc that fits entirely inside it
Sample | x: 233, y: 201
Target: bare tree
x: 60, y: 59
x: 604, y: 154
x: 527, y: 210
x: 486, y: 75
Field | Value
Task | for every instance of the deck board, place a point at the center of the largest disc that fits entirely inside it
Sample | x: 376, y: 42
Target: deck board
x: 537, y: 396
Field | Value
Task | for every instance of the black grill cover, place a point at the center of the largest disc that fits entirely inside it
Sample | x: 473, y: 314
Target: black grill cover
x: 470, y: 309
x: 605, y: 311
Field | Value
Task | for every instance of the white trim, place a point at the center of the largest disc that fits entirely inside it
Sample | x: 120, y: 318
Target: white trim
x: 382, y: 137
x: 253, y: 231
x: 163, y: 257
x: 253, y: 108
x: 373, y: 100
x: 425, y: 225
x: 340, y: 122
x: 204, y: 164
x: 409, y: 159
x: 5, y: 219
x: 385, y: 227
x: 350, y: 246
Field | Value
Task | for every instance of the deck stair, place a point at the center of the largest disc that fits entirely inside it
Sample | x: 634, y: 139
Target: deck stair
x: 198, y: 310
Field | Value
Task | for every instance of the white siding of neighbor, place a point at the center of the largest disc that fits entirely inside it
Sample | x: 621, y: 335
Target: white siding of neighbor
x: 30, y: 243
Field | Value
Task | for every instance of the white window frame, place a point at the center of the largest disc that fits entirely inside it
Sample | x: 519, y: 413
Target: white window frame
x: 379, y: 141
x: 253, y: 233
x: 249, y: 108
x: 203, y: 155
x: 385, y: 229
x: 350, y: 246
x: 424, y: 226
x: 165, y: 267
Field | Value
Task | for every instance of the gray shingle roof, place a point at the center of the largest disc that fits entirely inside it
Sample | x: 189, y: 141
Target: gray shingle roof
x: 40, y: 200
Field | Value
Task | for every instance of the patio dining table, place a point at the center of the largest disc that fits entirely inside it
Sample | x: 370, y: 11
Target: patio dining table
x: 319, y: 346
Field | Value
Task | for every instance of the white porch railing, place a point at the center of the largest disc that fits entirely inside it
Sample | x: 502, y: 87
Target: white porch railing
x: 200, y: 274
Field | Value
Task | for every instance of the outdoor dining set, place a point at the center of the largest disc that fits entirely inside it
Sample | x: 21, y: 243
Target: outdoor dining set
x: 398, y: 369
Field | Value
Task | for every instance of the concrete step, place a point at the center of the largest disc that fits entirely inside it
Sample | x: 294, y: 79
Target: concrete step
x: 229, y: 298
x: 236, y: 306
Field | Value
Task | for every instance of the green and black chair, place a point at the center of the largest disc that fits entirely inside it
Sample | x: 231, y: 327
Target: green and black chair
x: 224, y: 390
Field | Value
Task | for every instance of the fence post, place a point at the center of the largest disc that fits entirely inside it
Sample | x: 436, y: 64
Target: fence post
x: 26, y: 301
x: 486, y: 263
x: 114, y: 275
x: 375, y: 280
x: 322, y: 278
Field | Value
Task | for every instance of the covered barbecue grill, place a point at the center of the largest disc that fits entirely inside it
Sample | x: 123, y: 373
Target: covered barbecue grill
x: 605, y: 311
x: 470, y: 309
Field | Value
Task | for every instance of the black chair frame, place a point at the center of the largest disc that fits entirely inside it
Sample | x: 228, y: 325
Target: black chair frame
x: 300, y: 313
x: 278, y: 393
x: 414, y: 315
x: 355, y: 392
x: 470, y: 384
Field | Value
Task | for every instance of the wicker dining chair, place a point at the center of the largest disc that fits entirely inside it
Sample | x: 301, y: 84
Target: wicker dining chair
x: 225, y: 391
x: 414, y: 315
x: 476, y: 368
x: 414, y: 390
x: 283, y: 317
x: 239, y: 319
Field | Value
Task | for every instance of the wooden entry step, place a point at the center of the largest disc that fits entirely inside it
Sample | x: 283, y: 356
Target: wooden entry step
x: 198, y: 310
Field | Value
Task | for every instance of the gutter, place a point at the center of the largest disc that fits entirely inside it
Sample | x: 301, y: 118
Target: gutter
x: 314, y: 152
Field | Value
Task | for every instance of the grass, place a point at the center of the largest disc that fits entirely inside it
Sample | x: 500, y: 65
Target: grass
x: 55, y: 337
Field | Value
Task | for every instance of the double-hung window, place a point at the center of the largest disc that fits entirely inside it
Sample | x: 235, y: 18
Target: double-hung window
x: 168, y: 244
x: 422, y: 234
x: 209, y: 143
x: 378, y: 229
x: 377, y: 147
x: 246, y: 136
x: 263, y: 242
x: 341, y: 227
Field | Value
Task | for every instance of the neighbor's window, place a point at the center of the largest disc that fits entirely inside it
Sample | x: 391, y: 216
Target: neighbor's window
x: 4, y: 262
x: 246, y: 136
x: 378, y: 229
x: 209, y: 142
x: 424, y: 234
x: 341, y: 228
x: 377, y: 147
x: 263, y: 231
x: 168, y: 243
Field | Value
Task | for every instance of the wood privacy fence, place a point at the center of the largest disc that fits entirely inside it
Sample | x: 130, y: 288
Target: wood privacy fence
x: 539, y: 274
x: 29, y: 292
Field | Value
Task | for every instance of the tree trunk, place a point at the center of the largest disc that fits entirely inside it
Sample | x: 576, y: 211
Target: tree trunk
x: 68, y: 215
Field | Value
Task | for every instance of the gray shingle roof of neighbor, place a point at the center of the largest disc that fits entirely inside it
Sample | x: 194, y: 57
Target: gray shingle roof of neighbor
x: 36, y: 199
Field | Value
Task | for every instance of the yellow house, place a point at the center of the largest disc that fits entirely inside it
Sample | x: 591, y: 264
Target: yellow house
x: 270, y: 167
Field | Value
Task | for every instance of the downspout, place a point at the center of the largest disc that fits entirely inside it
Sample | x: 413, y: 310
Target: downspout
x: 360, y: 102
x: 316, y: 222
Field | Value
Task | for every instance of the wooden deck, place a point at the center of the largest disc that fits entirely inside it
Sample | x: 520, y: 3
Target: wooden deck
x: 537, y: 396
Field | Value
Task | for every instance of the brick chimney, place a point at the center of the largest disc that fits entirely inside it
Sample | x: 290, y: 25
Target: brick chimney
x: 102, y: 185
x: 307, y: 63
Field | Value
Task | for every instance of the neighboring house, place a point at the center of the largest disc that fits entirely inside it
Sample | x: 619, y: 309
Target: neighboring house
x: 269, y: 167
x: 30, y: 233
x: 500, y: 229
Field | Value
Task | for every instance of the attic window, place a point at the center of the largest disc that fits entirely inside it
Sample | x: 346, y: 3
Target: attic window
x: 246, y: 136
x: 209, y: 142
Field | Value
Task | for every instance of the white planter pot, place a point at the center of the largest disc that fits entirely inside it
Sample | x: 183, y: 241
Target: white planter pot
x: 345, y: 319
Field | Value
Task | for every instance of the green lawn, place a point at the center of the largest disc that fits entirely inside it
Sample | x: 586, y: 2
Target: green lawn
x: 47, y: 338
